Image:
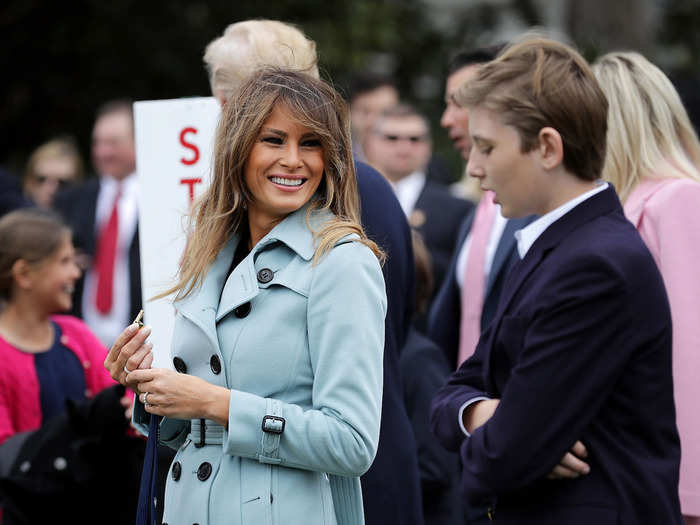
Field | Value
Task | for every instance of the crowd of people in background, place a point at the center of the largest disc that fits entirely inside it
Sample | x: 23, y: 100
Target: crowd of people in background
x: 452, y: 255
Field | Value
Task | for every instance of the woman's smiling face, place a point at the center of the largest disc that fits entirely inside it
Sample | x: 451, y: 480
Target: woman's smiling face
x: 284, y: 168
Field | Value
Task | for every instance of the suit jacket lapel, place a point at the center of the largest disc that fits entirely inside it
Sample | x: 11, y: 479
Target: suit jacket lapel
x: 504, y: 250
x: 89, y: 231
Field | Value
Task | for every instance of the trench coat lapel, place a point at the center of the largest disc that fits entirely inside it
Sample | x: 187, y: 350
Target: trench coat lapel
x: 201, y: 305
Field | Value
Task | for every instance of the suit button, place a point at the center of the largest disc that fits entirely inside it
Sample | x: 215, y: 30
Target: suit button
x: 177, y: 470
x: 265, y: 275
x: 204, y: 471
x: 180, y: 365
x: 215, y: 364
x: 242, y: 310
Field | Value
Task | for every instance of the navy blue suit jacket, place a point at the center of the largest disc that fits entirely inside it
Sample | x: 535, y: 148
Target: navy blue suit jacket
x: 391, y: 487
x: 424, y: 371
x: 11, y: 197
x: 579, y: 348
x: 446, y: 310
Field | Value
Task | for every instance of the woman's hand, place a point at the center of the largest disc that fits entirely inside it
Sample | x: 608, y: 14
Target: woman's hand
x: 168, y: 393
x: 129, y: 352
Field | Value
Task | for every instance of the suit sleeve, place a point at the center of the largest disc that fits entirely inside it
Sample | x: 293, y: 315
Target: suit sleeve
x: 340, y: 433
x: 464, y: 385
x: 567, y: 359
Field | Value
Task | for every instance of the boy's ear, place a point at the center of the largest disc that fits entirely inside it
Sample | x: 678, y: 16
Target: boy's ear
x: 551, y: 148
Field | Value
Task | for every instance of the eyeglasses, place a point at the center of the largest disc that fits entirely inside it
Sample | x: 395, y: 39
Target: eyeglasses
x: 413, y: 139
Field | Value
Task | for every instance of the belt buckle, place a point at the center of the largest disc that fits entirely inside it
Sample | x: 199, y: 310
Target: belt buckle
x: 273, y: 424
x: 202, y: 434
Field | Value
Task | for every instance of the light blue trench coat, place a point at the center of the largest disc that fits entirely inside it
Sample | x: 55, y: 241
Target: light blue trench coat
x: 300, y: 346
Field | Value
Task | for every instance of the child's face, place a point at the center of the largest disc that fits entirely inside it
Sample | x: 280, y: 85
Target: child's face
x: 54, y: 279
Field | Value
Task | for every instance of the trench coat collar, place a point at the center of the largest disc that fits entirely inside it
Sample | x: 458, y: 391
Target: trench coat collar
x: 295, y: 233
x: 203, y: 306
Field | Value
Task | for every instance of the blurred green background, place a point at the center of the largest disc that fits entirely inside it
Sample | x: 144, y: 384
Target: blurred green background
x: 60, y: 60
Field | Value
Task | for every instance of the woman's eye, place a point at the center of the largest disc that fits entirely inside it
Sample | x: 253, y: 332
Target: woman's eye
x: 272, y: 140
x: 486, y: 150
x: 311, y: 143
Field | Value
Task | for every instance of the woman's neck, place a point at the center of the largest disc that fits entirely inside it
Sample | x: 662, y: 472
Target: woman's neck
x: 24, y: 327
x: 260, y: 225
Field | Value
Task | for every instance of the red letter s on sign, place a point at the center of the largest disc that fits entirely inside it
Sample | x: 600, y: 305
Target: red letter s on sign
x: 189, y: 145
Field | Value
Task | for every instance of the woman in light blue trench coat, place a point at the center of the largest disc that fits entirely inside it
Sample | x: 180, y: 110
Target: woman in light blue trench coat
x: 275, y: 403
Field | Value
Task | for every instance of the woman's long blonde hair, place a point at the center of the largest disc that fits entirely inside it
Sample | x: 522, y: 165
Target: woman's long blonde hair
x: 221, y: 210
x: 648, y: 127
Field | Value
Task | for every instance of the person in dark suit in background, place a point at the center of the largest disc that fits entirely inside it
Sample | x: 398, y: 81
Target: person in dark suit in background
x: 11, y: 197
x: 564, y: 414
x: 103, y: 214
x: 399, y: 146
x: 485, y: 248
x: 424, y: 371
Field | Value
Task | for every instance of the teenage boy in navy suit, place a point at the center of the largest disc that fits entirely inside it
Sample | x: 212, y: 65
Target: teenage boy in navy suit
x: 564, y: 414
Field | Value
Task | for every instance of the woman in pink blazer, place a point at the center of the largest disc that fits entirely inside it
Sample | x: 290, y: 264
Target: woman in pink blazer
x: 653, y: 155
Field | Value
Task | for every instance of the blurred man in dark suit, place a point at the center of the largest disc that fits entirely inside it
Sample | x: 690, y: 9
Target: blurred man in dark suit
x: 399, y: 146
x: 103, y: 214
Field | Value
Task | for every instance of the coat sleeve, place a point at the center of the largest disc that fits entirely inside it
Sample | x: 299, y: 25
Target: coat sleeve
x: 570, y: 354
x: 345, y: 324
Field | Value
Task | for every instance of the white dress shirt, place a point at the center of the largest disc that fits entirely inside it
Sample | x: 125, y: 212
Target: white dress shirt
x: 108, y: 327
x: 530, y: 233
x: 408, y: 190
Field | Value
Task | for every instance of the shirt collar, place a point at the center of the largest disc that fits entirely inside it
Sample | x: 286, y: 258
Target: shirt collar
x: 408, y: 190
x: 127, y: 184
x: 529, y: 234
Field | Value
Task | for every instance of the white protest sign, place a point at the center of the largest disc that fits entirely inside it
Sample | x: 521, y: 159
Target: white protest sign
x: 174, y: 142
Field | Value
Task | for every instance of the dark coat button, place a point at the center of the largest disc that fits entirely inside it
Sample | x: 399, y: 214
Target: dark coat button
x: 265, y: 275
x: 215, y: 364
x: 204, y: 471
x: 242, y: 310
x: 180, y: 365
x: 177, y: 470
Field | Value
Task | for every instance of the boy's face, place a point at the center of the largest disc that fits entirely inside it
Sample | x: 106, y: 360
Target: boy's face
x: 522, y: 187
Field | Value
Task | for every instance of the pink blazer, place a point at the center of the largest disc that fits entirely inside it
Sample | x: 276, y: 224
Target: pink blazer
x: 20, y: 407
x: 666, y: 213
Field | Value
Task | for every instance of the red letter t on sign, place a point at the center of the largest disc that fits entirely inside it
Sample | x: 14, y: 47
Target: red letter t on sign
x: 189, y: 145
x: 191, y: 183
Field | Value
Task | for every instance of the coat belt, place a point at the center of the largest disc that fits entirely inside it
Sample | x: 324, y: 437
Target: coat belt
x: 206, y: 432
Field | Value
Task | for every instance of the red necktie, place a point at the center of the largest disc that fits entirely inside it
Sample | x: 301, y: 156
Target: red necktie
x: 105, y: 257
x: 474, y: 278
